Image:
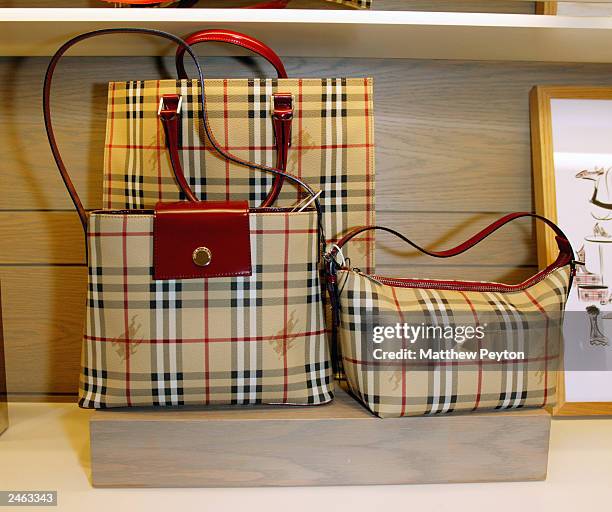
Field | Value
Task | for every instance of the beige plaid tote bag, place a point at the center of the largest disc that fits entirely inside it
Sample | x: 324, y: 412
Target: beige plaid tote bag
x: 200, y: 302
x: 423, y: 346
x: 319, y: 129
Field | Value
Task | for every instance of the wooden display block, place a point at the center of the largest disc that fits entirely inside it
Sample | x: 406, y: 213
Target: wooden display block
x: 3, y: 416
x: 336, y: 444
x: 3, y: 394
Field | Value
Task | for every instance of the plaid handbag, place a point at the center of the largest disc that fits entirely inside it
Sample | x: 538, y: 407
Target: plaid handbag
x: 414, y: 347
x: 319, y: 129
x: 200, y: 302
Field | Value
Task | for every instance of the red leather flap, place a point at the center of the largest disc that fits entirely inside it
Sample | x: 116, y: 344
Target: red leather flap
x: 201, y: 239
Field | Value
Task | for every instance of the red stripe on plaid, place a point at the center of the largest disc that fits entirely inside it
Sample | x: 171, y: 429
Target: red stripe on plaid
x: 449, y: 363
x: 247, y: 339
x: 159, y: 149
x: 226, y: 147
x: 364, y: 239
x: 283, y: 232
x: 206, y: 351
x: 122, y: 234
x: 110, y: 145
x: 286, y: 310
x: 369, y: 208
x: 543, y: 311
x: 297, y: 147
x: 126, y: 318
x: 300, y: 147
x: 401, y: 315
x: 252, y: 232
x: 475, y: 315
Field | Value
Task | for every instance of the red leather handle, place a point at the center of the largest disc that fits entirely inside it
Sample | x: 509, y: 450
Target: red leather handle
x: 281, y: 117
x: 565, y: 249
x: 46, y: 102
x: 230, y: 37
x: 133, y: 2
x: 272, y: 4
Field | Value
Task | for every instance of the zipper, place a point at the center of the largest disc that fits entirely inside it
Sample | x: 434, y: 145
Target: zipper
x: 148, y: 211
x: 458, y: 286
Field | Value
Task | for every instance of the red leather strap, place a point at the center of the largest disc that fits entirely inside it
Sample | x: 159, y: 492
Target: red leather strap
x: 47, y: 99
x: 565, y: 250
x: 206, y: 125
x: 274, y: 4
x: 133, y: 2
x: 282, y: 116
x: 282, y: 103
x: 230, y: 37
x: 169, y: 116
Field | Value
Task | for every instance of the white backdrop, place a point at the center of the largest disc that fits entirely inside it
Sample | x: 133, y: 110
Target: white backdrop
x: 582, y: 140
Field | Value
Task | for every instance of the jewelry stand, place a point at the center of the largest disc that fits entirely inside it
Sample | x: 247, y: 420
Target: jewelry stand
x: 336, y: 444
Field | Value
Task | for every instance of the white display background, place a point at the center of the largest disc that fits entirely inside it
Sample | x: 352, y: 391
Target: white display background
x: 584, y: 9
x: 582, y: 140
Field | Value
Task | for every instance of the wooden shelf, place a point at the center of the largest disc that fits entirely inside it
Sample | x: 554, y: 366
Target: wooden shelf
x: 312, y: 33
x: 47, y: 447
x: 335, y: 444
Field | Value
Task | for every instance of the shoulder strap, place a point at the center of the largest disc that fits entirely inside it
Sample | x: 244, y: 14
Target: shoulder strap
x: 566, y: 253
x: 211, y: 137
x: 282, y: 103
x: 47, y: 98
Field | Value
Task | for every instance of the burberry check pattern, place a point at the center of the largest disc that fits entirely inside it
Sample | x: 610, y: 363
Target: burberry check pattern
x: 238, y: 340
x: 395, y: 390
x: 359, y: 4
x: 332, y: 147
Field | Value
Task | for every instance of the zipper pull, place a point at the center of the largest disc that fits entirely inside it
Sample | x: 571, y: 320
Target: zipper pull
x: 367, y: 276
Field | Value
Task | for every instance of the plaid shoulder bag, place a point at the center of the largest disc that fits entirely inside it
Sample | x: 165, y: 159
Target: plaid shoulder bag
x: 422, y: 346
x: 200, y: 302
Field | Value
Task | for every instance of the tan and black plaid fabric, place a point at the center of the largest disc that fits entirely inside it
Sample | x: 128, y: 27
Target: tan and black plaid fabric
x: 403, y: 388
x: 238, y: 340
x: 359, y: 4
x: 332, y: 147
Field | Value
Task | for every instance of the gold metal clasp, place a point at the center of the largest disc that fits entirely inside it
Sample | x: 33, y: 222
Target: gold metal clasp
x: 202, y: 256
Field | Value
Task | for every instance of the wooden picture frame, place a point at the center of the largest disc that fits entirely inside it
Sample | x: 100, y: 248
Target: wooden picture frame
x: 548, y: 8
x: 546, y: 204
x: 3, y: 394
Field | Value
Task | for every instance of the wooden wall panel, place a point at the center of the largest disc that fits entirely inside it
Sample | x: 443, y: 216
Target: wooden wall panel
x: 43, y: 309
x: 57, y: 238
x: 463, y: 126
x: 494, y: 6
x: 453, y: 153
x: 52, y: 238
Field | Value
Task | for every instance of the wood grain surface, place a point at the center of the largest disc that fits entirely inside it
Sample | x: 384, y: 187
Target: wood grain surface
x: 453, y: 152
x: 57, y: 237
x: 336, y: 444
x: 3, y: 396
